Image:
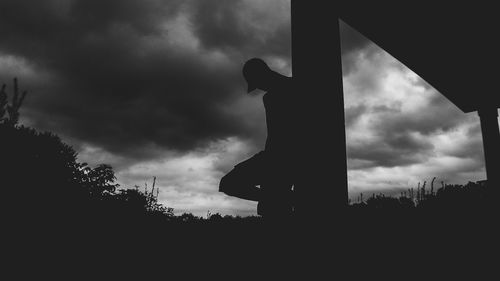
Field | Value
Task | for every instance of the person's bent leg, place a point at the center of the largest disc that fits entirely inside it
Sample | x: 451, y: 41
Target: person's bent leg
x: 242, y: 182
x: 276, y: 200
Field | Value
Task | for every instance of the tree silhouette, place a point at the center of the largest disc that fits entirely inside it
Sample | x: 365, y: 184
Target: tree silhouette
x: 98, y: 181
x: 50, y: 185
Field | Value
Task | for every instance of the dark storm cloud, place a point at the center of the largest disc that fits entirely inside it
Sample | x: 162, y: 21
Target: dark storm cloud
x: 439, y: 115
x: 352, y: 40
x: 403, y: 138
x: 119, y: 82
x: 225, y: 25
x: 472, y: 146
x: 353, y: 113
x: 399, y: 149
x: 220, y: 26
x: 42, y: 30
x: 351, y: 43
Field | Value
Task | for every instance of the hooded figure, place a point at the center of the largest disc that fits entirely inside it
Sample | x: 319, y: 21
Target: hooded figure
x: 267, y: 177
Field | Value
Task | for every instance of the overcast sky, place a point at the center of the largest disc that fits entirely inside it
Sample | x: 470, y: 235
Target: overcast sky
x: 154, y: 88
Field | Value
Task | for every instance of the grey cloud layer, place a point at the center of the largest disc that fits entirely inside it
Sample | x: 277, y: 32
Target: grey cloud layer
x: 406, y: 138
x: 118, y: 80
x: 397, y: 136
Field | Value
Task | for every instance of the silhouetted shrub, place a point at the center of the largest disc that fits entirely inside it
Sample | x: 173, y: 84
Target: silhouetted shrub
x: 42, y: 180
x: 9, y: 113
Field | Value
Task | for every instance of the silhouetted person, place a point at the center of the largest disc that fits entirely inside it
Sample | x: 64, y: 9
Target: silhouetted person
x: 267, y: 177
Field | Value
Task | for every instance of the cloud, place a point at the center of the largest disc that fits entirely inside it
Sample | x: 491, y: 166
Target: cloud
x: 353, y: 113
x: 189, y: 182
x: 125, y: 75
x: 401, y: 131
x: 352, y: 42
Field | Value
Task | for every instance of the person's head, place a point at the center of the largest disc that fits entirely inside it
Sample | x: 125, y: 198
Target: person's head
x: 257, y: 74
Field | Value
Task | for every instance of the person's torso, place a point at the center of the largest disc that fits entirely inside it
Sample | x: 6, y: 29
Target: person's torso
x: 280, y: 117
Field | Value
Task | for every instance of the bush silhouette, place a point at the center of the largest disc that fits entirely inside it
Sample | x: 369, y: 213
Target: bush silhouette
x: 9, y: 113
x: 42, y: 180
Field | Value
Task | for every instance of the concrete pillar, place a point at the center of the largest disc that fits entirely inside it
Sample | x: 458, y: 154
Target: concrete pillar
x: 491, y: 143
x: 321, y: 191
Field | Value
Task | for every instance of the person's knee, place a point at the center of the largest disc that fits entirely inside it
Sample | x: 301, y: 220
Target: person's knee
x: 223, y: 184
x: 226, y: 183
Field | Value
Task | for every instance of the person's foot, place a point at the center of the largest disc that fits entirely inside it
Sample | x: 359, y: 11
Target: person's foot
x: 260, y: 208
x: 278, y: 209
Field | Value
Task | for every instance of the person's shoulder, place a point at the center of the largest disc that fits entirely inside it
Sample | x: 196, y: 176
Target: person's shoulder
x: 290, y: 83
x: 284, y: 84
x: 286, y: 81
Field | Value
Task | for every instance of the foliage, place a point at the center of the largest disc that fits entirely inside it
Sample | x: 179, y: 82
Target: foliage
x: 9, y: 113
x: 99, y: 181
x: 473, y: 195
x: 43, y: 172
x: 146, y: 201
